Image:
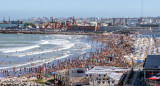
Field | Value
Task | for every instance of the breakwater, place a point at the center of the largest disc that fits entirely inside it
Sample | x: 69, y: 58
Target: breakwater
x: 44, y: 32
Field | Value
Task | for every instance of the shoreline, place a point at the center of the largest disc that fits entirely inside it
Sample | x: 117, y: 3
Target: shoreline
x: 55, y: 61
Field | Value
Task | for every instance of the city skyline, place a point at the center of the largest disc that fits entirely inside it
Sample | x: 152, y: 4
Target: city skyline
x: 18, y: 9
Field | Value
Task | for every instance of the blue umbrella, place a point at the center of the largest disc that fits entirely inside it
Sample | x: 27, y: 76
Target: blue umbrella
x: 144, y: 35
x: 137, y: 35
x: 88, y: 66
x: 139, y: 61
x: 52, y: 72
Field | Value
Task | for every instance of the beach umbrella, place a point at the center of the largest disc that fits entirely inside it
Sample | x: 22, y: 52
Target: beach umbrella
x: 52, y: 72
x: 153, y: 78
x: 88, y: 66
x: 137, y: 36
x: 139, y: 61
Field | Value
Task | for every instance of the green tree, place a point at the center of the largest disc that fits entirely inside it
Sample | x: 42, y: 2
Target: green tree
x: 30, y: 24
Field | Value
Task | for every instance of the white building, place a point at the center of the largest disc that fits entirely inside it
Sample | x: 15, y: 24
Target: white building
x: 93, y: 23
x: 105, y: 75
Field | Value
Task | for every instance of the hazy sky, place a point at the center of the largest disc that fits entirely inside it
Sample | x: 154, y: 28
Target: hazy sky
x: 78, y: 8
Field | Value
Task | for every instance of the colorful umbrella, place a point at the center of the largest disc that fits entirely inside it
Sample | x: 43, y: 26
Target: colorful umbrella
x: 153, y: 78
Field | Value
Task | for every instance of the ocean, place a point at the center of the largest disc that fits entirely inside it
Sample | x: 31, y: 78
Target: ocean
x: 28, y: 50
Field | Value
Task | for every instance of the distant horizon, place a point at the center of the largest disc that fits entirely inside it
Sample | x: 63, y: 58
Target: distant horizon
x: 6, y: 18
x: 19, y: 9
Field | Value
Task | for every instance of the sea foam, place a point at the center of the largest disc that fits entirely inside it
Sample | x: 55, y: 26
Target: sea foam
x: 18, y: 49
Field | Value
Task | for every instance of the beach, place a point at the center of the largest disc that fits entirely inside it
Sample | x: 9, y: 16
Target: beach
x: 108, y: 56
x: 117, y: 50
x: 24, y: 50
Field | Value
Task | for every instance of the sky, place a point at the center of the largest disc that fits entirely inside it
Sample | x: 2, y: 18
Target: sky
x: 18, y: 9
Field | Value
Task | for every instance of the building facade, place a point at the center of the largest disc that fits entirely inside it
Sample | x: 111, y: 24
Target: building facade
x: 83, y: 28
